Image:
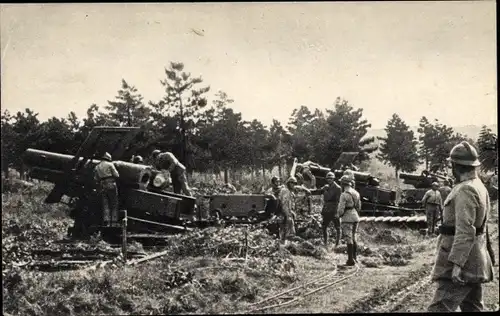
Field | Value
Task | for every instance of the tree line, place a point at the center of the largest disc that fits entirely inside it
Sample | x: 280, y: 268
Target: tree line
x: 215, y: 138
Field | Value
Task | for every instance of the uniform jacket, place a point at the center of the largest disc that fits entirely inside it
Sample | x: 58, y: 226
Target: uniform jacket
x: 167, y: 161
x: 105, y: 169
x: 331, y: 197
x: 465, y: 208
x: 432, y: 197
x: 349, y: 204
x: 287, y: 200
x: 445, y: 191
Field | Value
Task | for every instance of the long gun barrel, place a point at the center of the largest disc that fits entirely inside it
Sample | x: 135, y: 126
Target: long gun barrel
x: 50, y: 167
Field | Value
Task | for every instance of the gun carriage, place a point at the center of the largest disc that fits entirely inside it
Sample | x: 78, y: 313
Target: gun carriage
x: 140, y: 187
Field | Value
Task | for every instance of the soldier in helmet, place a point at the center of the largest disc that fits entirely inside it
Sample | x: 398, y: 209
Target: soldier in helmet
x: 287, y: 209
x: 331, y: 195
x: 348, y: 209
x: 137, y: 159
x: 463, y: 259
x: 105, y: 174
x: 167, y: 161
x: 432, y: 203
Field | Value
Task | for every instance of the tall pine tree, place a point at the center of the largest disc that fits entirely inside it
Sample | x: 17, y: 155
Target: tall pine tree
x: 399, y: 148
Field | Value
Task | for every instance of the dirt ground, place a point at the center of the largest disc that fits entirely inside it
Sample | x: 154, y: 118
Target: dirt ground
x: 207, y: 273
x: 390, y: 288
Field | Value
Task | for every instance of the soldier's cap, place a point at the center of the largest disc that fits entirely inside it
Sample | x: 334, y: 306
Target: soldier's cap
x: 291, y: 180
x: 155, y: 152
x: 274, y: 179
x: 330, y: 175
x: 345, y: 179
x: 464, y: 154
x: 435, y: 184
x: 107, y: 157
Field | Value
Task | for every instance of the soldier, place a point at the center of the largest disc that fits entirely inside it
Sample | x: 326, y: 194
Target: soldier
x: 349, y: 206
x: 287, y: 209
x: 137, y: 159
x: 307, y: 177
x: 432, y: 203
x: 463, y: 260
x: 331, y: 195
x: 167, y: 161
x: 105, y: 175
x: 445, y: 190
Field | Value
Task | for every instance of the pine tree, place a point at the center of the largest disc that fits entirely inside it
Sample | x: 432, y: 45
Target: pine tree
x: 399, y: 148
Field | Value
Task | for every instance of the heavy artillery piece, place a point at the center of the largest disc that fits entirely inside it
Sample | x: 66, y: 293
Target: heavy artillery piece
x: 139, y: 193
x: 375, y: 200
x: 412, y: 198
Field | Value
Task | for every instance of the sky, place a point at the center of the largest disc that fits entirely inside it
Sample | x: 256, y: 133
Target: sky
x: 436, y: 59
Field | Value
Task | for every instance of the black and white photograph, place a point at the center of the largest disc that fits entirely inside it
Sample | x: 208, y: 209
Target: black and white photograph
x: 249, y: 158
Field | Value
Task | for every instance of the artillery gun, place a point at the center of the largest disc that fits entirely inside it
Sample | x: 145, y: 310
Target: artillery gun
x: 412, y: 198
x: 376, y: 201
x: 144, y: 199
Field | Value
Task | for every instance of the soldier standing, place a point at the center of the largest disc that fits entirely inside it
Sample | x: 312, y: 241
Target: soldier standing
x: 349, y: 206
x: 287, y: 207
x: 167, y: 161
x: 105, y: 174
x: 331, y: 195
x: 445, y: 190
x: 463, y: 261
x: 432, y: 203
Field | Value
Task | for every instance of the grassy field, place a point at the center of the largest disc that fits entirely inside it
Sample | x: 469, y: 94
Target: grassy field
x: 205, y: 271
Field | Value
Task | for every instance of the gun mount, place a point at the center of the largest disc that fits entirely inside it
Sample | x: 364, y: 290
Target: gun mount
x: 139, y: 193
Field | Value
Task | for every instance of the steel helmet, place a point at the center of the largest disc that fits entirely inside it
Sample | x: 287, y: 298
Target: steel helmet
x: 155, y: 152
x: 346, y: 180
x: 435, y: 184
x: 138, y: 159
x: 291, y: 180
x: 106, y: 156
x: 464, y: 154
x: 330, y: 175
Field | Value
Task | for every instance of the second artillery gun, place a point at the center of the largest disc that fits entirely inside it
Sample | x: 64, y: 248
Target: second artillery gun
x: 376, y: 201
x: 139, y: 186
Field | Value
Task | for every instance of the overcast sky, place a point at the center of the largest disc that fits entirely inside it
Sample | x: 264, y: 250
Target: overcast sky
x: 412, y: 58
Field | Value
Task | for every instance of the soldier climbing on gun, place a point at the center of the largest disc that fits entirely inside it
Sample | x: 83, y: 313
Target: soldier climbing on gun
x: 166, y: 161
x: 105, y: 174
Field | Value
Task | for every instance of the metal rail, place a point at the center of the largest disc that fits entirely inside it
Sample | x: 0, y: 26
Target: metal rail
x: 282, y: 300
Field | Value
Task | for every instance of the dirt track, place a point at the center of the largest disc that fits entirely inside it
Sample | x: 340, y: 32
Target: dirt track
x: 391, y: 289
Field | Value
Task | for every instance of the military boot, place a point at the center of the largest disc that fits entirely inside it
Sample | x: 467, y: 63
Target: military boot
x: 354, y: 251
x: 350, y: 252
x: 337, y: 238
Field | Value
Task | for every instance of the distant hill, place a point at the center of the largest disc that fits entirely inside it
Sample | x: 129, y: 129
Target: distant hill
x: 472, y: 131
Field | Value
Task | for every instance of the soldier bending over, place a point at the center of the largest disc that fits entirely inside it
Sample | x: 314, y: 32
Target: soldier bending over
x: 167, y: 161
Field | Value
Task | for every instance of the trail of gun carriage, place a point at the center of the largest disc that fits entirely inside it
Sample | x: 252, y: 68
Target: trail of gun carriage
x: 221, y: 249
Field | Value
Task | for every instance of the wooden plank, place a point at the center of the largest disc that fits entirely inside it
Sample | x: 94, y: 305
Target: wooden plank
x: 159, y: 224
x: 153, y: 256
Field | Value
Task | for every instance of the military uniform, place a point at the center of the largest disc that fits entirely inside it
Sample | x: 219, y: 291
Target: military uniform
x: 432, y: 203
x: 287, y: 214
x: 331, y: 195
x: 463, y: 262
x: 105, y: 174
x: 349, y: 205
x: 445, y: 191
x: 167, y: 161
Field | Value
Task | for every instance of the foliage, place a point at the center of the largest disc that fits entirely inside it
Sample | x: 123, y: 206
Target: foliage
x: 216, y: 139
x: 436, y: 141
x: 488, y: 149
x: 399, y: 148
